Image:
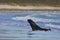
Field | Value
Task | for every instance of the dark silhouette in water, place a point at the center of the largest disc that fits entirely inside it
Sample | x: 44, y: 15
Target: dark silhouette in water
x: 35, y: 27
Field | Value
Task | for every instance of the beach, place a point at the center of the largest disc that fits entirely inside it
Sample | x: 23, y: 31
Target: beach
x: 26, y: 8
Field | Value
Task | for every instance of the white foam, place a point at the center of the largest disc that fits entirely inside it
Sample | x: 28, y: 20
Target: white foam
x: 51, y: 25
x: 35, y: 19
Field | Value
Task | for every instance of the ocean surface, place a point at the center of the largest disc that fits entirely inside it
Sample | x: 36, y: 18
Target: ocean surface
x: 14, y: 25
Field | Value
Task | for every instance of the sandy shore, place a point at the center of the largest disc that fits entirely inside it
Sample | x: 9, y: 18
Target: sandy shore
x: 10, y: 7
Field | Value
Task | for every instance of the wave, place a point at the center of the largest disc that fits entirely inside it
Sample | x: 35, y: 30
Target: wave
x: 35, y: 19
x: 51, y: 25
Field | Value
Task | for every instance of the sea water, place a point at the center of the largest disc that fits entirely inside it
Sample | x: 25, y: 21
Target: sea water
x: 14, y: 25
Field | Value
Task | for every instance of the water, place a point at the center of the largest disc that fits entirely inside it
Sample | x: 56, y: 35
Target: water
x: 14, y: 25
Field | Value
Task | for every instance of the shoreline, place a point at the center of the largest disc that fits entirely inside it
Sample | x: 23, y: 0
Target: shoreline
x: 28, y: 8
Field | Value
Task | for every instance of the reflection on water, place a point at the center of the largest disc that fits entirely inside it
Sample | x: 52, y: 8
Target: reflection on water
x: 28, y: 35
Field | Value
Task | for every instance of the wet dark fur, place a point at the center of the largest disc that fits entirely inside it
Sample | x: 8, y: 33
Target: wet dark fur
x: 35, y: 27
